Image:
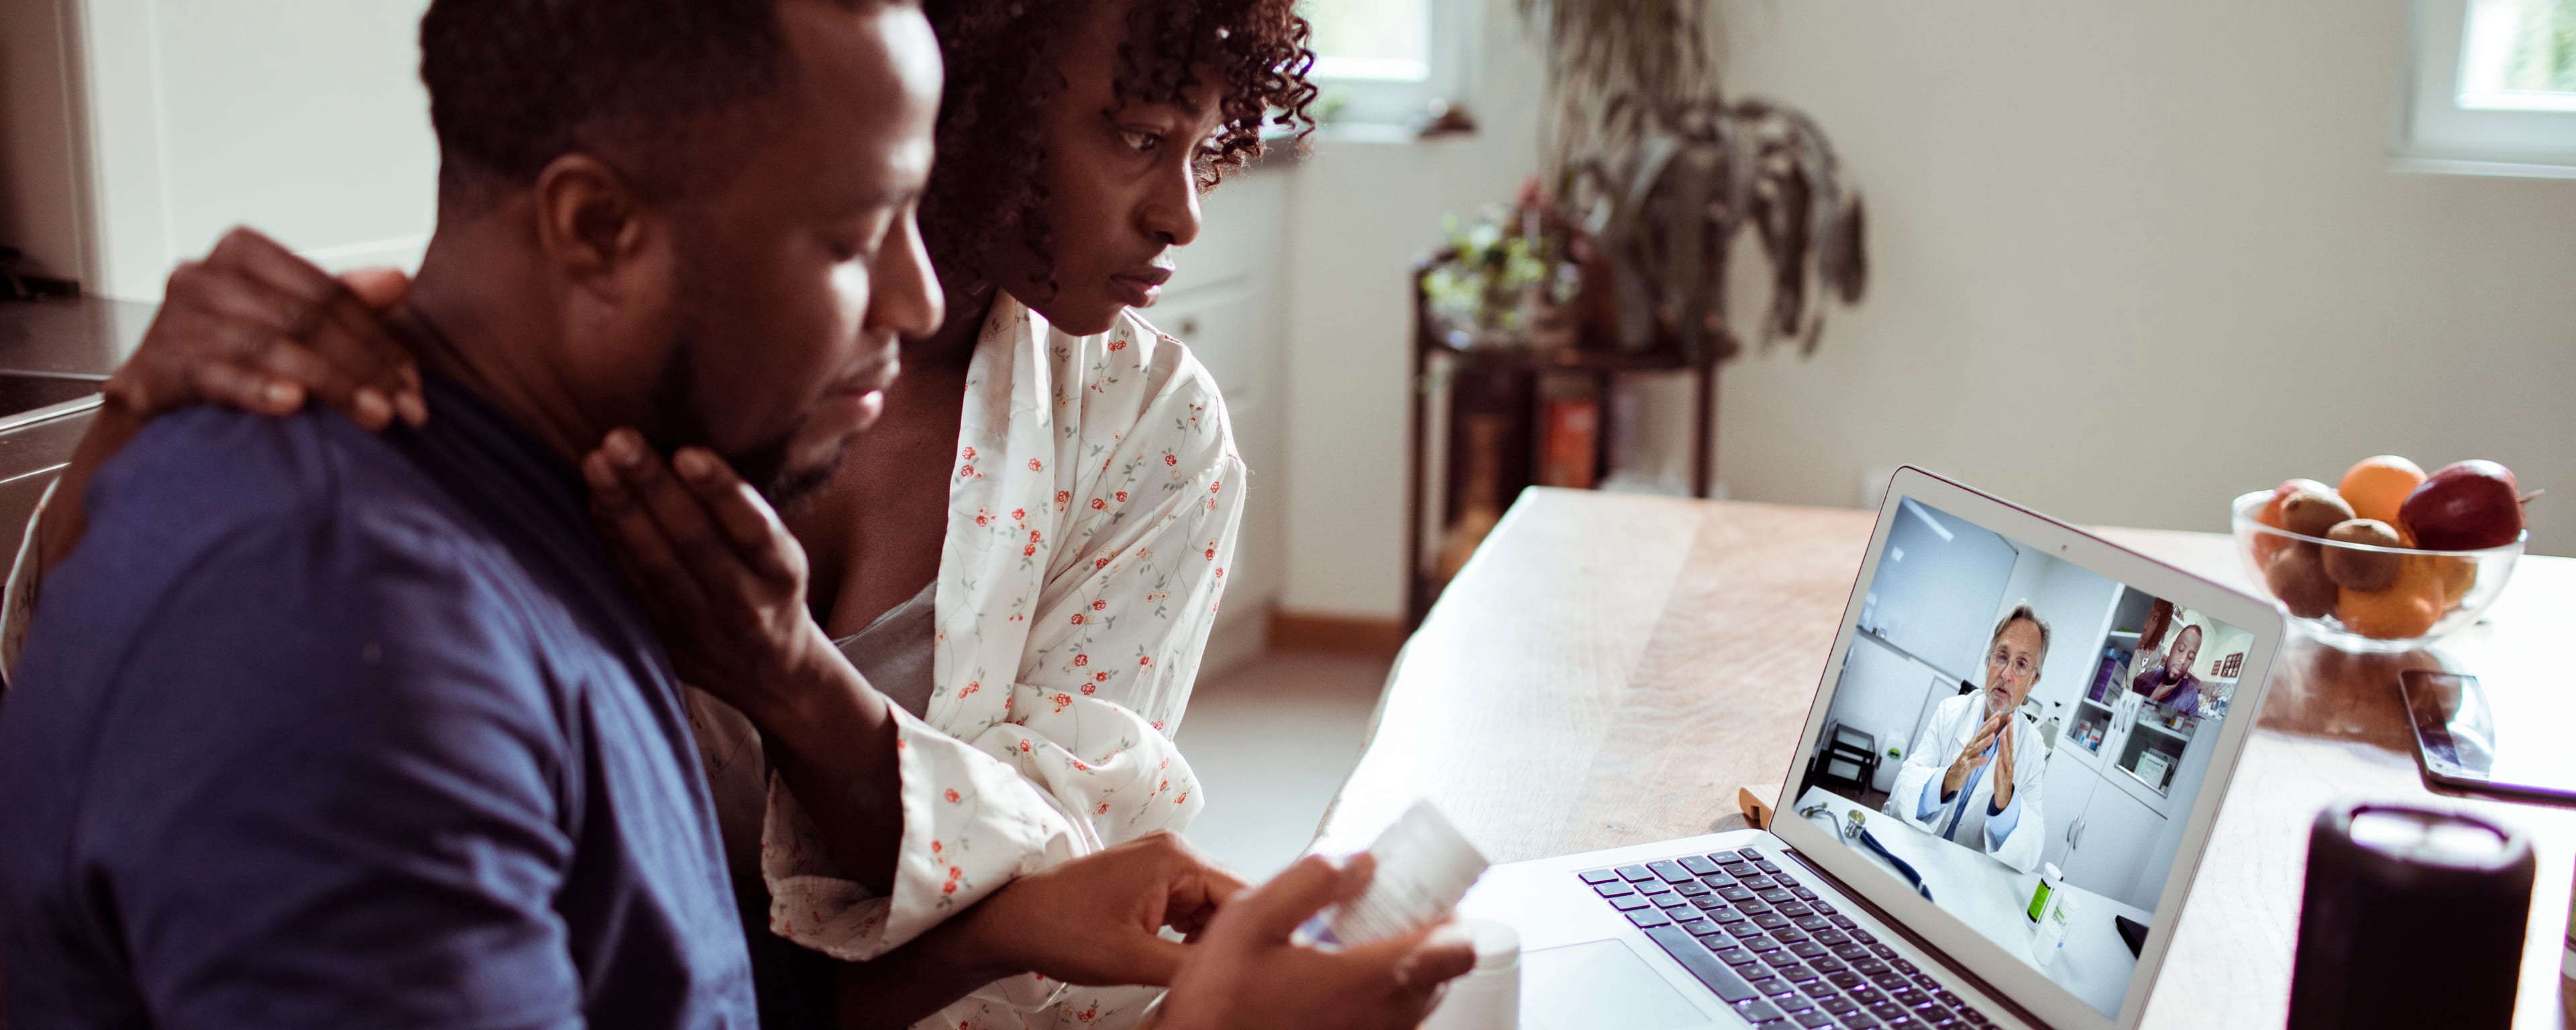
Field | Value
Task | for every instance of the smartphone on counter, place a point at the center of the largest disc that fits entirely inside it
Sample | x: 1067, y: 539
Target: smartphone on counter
x: 2461, y: 742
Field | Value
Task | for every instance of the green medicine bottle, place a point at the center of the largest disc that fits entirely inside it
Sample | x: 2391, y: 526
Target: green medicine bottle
x: 2048, y: 878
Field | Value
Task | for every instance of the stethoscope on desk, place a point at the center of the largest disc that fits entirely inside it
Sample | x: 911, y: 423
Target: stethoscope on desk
x: 1853, y: 831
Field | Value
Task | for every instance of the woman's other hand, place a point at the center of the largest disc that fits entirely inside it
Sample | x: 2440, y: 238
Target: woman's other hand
x: 252, y: 327
x: 1097, y: 920
x: 255, y: 327
x: 725, y: 583
x: 1246, y: 974
x: 721, y: 575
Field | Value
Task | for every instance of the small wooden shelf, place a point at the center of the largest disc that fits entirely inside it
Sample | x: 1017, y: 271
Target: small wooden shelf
x: 1515, y: 371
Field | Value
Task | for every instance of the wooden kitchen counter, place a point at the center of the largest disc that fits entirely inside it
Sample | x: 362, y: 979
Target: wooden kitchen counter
x: 1609, y: 669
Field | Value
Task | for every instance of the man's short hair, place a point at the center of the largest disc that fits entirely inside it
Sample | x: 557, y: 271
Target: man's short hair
x: 2023, y: 613
x: 2192, y: 628
x: 654, y: 87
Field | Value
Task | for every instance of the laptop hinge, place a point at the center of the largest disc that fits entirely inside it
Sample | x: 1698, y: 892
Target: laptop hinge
x: 1926, y: 947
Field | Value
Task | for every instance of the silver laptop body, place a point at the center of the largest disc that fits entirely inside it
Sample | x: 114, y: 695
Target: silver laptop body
x: 1806, y: 924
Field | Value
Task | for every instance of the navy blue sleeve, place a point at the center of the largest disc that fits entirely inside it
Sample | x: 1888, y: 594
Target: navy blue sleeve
x: 334, y: 792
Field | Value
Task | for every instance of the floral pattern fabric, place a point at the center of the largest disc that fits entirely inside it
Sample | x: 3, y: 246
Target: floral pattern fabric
x: 1092, y: 511
x: 18, y: 599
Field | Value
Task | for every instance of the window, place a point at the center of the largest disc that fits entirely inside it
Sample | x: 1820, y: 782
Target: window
x: 1383, y: 62
x: 2519, y: 55
x: 2494, y: 88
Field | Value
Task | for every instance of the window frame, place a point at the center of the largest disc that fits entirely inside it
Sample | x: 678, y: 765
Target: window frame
x: 2436, y: 134
x: 1404, y: 103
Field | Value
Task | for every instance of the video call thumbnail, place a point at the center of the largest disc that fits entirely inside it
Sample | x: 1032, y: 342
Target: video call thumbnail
x: 2021, y: 740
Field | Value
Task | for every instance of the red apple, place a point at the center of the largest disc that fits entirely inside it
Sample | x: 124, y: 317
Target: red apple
x: 2464, y: 507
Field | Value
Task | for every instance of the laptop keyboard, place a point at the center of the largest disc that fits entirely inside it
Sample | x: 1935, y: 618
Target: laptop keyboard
x: 1771, y: 948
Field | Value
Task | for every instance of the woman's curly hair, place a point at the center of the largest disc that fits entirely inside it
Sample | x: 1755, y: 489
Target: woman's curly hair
x: 990, y: 178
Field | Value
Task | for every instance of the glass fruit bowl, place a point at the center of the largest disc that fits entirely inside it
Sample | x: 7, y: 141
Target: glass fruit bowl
x: 2429, y: 594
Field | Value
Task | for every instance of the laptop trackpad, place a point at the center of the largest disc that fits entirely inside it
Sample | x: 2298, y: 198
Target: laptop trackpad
x: 1598, y: 984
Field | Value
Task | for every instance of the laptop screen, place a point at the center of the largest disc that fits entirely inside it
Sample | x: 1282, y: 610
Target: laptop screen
x: 2021, y: 740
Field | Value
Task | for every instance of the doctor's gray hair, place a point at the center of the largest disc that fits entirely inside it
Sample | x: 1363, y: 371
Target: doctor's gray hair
x: 2023, y: 613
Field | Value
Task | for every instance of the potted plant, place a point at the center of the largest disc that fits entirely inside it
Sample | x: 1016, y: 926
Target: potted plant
x: 1661, y: 171
x: 1500, y: 285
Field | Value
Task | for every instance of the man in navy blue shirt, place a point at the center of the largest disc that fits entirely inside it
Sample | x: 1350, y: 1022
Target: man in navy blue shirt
x: 325, y: 727
x: 320, y: 726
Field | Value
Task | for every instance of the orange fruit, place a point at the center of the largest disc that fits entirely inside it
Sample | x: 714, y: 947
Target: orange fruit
x: 2408, y: 608
x: 2377, y: 487
x: 2457, y: 575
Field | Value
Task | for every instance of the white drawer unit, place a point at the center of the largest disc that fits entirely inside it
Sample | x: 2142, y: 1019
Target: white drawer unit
x: 1224, y: 302
x: 1239, y: 234
x: 1224, y: 331
x: 1218, y: 325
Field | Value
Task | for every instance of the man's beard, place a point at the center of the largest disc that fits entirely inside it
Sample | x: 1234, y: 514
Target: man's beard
x: 784, y: 485
x: 672, y: 421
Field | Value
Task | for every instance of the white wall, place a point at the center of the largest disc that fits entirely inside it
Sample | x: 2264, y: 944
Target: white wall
x: 331, y: 150
x: 2071, y: 207
x: 305, y: 118
x: 1884, y: 694
x: 1360, y: 213
x: 2077, y: 208
x: 1936, y: 597
x: 2077, y: 606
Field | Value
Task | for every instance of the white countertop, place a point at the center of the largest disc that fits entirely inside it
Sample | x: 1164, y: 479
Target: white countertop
x: 1990, y: 897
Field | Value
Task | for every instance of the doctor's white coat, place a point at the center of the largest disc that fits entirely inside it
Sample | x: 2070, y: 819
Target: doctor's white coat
x: 1953, y: 722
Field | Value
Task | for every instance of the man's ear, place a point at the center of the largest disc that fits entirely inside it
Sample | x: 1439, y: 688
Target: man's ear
x: 594, y: 226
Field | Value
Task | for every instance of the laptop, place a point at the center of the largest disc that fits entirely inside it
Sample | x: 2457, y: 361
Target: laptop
x: 1914, y: 875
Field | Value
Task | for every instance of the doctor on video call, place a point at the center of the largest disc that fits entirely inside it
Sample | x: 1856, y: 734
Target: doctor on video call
x: 1974, y: 775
